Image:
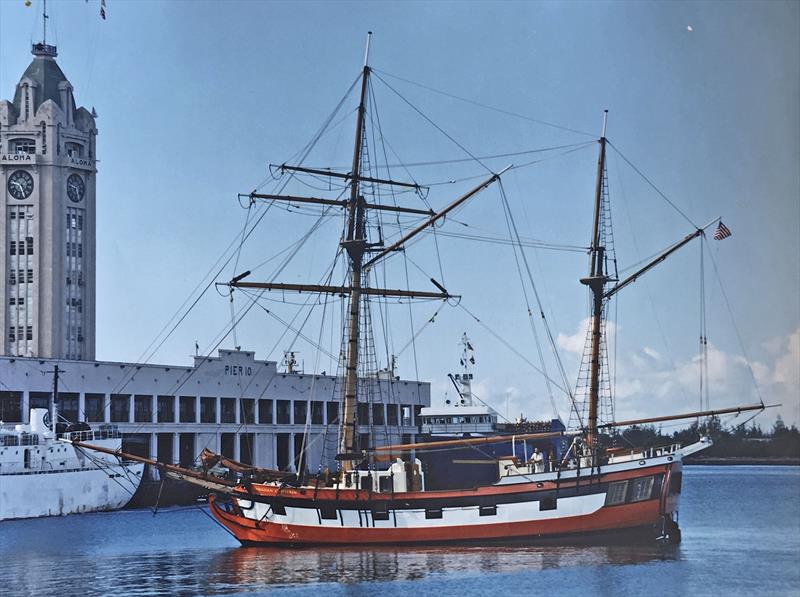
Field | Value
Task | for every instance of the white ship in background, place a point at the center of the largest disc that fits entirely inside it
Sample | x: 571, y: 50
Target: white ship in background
x: 43, y: 474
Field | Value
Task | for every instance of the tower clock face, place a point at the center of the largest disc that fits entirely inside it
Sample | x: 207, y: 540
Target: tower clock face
x: 20, y: 184
x: 75, y: 188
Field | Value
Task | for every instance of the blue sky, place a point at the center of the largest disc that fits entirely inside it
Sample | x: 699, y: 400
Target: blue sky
x: 195, y: 99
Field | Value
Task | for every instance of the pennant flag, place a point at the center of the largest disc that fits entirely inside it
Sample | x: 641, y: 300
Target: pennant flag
x: 722, y: 231
x: 103, y: 9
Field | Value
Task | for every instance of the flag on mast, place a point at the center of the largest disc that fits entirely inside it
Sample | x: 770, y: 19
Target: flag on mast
x: 722, y: 231
x: 103, y: 9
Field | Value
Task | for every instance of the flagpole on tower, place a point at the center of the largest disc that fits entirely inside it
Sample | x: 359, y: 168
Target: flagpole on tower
x: 44, y: 21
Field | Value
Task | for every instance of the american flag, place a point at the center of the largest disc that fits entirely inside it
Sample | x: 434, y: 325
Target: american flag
x: 722, y: 231
x: 103, y: 9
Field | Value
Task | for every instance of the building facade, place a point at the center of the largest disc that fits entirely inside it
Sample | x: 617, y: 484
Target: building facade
x: 234, y: 404
x: 47, y: 224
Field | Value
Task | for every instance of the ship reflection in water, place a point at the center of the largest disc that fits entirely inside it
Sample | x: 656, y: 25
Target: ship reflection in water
x: 264, y: 567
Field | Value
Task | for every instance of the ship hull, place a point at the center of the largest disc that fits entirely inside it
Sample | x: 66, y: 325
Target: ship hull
x: 632, y: 501
x: 33, y: 495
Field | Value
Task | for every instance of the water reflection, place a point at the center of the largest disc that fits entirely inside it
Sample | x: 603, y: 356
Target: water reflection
x: 235, y: 570
x: 264, y: 567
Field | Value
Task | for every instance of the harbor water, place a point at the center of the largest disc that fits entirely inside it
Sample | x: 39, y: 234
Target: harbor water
x: 741, y: 536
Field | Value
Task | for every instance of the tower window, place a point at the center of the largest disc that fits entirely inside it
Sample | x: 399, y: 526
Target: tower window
x: 29, y: 332
x: 22, y: 146
x: 30, y: 276
x: 74, y: 150
x: 29, y: 244
x: 12, y: 250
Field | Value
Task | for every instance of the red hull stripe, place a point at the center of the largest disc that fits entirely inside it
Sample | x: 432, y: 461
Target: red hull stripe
x: 606, y: 519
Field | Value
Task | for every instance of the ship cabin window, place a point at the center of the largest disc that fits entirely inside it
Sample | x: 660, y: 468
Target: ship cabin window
x: 380, y: 512
x: 675, y: 481
x: 283, y: 412
x: 385, y: 483
x: 641, y: 489
x: 142, y: 409
x: 333, y: 412
x: 300, y: 412
x: 265, y: 411
x: 247, y: 407
x: 616, y: 493
x: 120, y: 408
x: 186, y: 409
x: 208, y: 409
x: 548, y: 504
x: 317, y: 413
x: 279, y: 508
x: 11, y: 407
x: 433, y: 513
x: 26, y: 458
x: 391, y: 414
x: 74, y: 150
x: 166, y: 409
x: 328, y: 513
x: 227, y: 410
x: 94, y: 407
x: 378, y: 414
x: 22, y: 146
x: 406, y: 412
x: 487, y: 510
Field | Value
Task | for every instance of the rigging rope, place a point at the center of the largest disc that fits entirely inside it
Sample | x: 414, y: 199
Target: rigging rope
x: 480, y: 105
x: 436, y: 126
x: 655, y: 188
x: 735, y: 327
x: 514, y: 234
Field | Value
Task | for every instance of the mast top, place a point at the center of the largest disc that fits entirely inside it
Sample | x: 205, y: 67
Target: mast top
x: 366, y: 51
x: 605, y: 122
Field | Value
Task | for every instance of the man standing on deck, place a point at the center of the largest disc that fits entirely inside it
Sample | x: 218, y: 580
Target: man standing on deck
x: 538, y: 461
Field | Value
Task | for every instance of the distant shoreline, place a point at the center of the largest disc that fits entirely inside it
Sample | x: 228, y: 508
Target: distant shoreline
x: 738, y: 460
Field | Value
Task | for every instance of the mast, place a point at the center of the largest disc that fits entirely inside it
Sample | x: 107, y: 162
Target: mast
x: 596, y: 282
x: 54, y: 401
x: 355, y: 245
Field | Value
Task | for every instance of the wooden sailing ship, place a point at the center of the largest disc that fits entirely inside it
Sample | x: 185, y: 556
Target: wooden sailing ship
x: 381, y: 495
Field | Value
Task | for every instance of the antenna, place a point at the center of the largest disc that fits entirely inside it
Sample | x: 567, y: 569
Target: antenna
x: 605, y: 122
x: 44, y: 21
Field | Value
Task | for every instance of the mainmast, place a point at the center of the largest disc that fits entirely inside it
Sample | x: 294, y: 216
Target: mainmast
x: 596, y: 282
x: 363, y: 256
x: 355, y: 245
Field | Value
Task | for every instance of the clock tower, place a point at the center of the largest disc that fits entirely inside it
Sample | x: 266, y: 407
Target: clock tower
x: 47, y: 220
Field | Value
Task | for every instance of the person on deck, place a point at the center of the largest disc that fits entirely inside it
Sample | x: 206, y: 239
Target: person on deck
x: 538, y: 461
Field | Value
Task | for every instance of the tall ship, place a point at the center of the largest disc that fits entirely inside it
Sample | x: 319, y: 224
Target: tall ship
x: 452, y: 483
x: 43, y: 474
